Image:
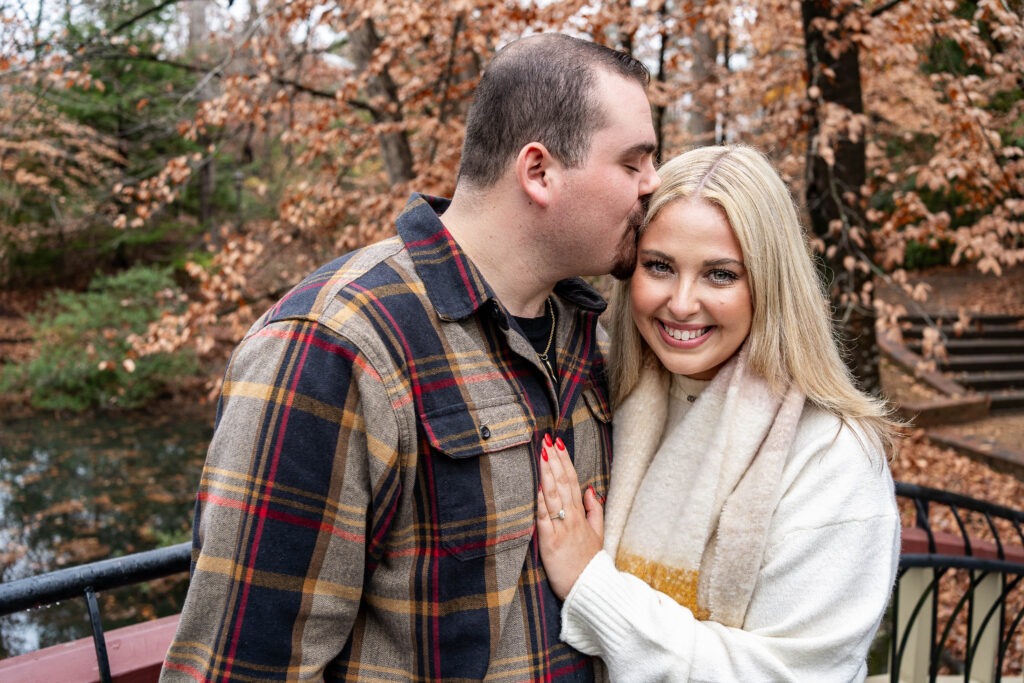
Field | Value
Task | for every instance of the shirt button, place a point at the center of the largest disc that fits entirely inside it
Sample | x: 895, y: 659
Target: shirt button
x: 485, y: 432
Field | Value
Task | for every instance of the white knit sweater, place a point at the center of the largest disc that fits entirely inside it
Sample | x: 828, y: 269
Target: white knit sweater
x: 828, y: 569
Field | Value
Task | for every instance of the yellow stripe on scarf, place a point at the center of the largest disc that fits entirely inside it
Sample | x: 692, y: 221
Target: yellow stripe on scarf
x: 677, y: 583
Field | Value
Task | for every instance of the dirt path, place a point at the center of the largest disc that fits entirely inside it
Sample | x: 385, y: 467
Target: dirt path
x: 953, y: 288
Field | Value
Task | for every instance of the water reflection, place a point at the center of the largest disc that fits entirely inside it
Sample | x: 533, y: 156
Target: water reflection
x: 78, y: 490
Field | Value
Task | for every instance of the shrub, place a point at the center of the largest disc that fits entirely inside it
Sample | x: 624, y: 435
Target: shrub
x: 921, y: 255
x: 84, y: 359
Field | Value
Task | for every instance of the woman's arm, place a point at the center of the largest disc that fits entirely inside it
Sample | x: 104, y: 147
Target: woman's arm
x: 823, y: 586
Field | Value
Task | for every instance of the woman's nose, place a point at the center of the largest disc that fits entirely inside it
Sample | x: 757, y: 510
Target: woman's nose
x: 684, y: 302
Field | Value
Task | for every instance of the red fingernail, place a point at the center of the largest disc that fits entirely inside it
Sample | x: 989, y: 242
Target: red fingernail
x: 547, y: 440
x: 592, y: 491
x: 544, y: 454
x: 561, y: 444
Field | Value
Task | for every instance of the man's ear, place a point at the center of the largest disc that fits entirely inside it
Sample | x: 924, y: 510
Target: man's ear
x: 537, y: 173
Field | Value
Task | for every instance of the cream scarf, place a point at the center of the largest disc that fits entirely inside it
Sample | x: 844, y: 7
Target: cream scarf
x: 689, y: 504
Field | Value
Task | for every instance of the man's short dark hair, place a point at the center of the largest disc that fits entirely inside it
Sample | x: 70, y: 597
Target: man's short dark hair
x: 539, y: 89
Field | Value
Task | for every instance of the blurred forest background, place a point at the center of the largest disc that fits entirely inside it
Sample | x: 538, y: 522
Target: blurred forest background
x: 168, y: 168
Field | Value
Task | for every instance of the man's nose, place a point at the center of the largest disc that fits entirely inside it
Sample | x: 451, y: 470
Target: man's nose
x: 651, y: 180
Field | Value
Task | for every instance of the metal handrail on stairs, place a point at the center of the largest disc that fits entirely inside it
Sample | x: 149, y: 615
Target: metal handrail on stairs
x: 983, y: 545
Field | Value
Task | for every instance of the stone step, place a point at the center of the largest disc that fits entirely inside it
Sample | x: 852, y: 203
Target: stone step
x: 1013, y: 399
x: 945, y: 410
x: 981, y: 318
x: 975, y: 346
x: 988, y: 380
x: 986, y: 361
x: 993, y: 332
x: 986, y: 358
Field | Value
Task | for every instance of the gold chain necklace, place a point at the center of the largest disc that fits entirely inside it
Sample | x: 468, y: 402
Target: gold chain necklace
x: 551, y: 338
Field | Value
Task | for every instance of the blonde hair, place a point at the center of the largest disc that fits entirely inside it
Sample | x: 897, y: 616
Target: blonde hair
x: 791, y: 338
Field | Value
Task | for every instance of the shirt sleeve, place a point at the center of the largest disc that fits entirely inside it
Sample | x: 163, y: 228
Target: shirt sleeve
x: 820, y: 595
x: 297, y: 484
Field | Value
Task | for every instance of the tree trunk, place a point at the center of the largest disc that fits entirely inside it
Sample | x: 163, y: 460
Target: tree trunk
x: 394, y: 146
x: 703, y: 118
x: 197, y: 26
x: 658, y: 111
x: 207, y: 189
x: 834, y: 183
x: 197, y: 40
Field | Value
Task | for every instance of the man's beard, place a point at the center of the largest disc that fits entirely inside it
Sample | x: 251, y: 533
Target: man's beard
x: 625, y: 258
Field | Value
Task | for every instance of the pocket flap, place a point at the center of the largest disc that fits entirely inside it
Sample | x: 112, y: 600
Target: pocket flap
x: 465, y: 431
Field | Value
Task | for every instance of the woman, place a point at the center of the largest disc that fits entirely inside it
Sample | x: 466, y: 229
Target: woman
x: 751, y: 530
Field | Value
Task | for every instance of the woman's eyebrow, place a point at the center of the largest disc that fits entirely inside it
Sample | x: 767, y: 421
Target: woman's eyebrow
x: 657, y: 254
x: 724, y: 262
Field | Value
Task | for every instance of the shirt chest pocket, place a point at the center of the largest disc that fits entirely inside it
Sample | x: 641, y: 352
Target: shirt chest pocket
x: 480, y: 476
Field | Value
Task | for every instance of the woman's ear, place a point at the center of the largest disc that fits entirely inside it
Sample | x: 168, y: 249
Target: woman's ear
x: 536, y: 171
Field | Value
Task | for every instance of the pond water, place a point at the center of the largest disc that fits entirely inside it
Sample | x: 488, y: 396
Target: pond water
x: 81, y: 489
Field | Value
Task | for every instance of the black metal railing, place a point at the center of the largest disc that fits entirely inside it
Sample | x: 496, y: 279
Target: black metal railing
x: 86, y: 580
x: 981, y: 545
x: 931, y: 551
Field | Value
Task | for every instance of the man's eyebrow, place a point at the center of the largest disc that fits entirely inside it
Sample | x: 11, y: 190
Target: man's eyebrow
x: 640, y: 149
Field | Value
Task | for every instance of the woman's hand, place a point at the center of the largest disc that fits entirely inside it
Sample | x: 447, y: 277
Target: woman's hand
x: 567, y: 542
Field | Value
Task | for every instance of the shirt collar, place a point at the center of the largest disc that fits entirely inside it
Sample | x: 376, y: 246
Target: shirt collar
x: 454, y: 285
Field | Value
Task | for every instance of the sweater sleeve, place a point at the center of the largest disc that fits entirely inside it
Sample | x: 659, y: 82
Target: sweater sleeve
x: 820, y: 596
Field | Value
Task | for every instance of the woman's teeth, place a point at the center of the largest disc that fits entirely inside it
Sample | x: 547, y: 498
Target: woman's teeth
x: 685, y: 335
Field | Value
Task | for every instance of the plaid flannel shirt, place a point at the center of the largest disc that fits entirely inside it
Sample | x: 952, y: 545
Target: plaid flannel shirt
x: 367, y: 507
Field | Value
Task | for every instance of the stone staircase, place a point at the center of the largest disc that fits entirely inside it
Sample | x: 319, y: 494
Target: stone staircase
x: 987, y: 357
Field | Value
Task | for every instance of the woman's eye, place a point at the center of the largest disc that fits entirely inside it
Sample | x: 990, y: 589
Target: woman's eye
x: 722, y: 277
x: 657, y: 267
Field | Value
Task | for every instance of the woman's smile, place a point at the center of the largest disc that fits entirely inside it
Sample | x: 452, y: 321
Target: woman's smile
x: 687, y: 338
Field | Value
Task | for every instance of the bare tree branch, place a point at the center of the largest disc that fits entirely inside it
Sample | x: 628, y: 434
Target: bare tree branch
x: 142, y: 15
x: 882, y: 9
x: 214, y: 71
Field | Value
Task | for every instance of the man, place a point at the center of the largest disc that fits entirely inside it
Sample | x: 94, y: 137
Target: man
x: 367, y: 508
